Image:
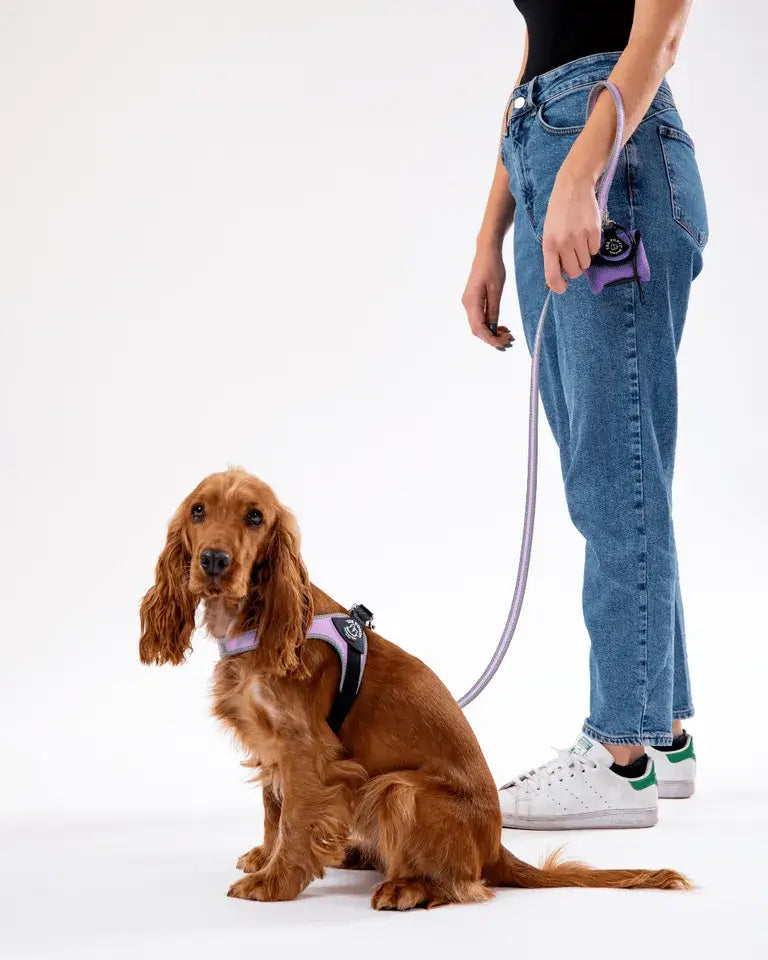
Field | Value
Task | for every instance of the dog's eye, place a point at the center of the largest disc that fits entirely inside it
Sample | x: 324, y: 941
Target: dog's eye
x: 198, y: 512
x: 253, y: 518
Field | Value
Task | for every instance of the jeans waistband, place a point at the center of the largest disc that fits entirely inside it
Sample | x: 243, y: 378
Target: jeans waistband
x: 583, y: 71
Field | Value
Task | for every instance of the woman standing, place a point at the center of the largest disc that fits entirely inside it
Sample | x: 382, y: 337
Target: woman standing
x: 608, y: 379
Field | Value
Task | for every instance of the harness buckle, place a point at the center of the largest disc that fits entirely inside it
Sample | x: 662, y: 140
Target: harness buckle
x: 362, y: 614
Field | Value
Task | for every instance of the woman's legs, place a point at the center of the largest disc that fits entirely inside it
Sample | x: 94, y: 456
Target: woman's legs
x: 682, y: 704
x: 609, y: 388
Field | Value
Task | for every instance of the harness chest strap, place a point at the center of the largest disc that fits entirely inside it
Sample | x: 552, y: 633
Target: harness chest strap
x: 346, y: 634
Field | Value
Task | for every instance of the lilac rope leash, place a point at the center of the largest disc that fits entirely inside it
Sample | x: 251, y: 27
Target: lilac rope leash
x: 603, y: 188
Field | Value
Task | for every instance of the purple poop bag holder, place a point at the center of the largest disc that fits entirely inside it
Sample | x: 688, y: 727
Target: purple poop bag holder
x: 621, y: 258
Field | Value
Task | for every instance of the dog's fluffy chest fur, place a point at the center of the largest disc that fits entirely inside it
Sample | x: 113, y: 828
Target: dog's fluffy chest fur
x: 246, y: 704
x: 243, y: 699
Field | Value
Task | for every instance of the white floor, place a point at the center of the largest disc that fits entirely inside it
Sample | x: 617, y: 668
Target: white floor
x: 157, y: 890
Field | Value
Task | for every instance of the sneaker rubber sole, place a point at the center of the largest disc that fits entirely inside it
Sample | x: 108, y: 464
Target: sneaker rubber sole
x: 596, y: 820
x: 676, y: 789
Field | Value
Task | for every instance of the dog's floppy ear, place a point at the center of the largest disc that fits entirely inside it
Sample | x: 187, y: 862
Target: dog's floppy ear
x: 284, y: 609
x: 168, y: 609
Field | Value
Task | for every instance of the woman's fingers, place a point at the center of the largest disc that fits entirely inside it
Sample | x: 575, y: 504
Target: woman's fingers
x: 583, y: 253
x: 570, y: 260
x: 482, y: 308
x: 571, y: 229
x: 492, y: 305
x: 553, y: 271
x: 482, y: 301
x: 474, y: 304
x: 570, y: 257
x: 594, y: 239
x: 500, y: 336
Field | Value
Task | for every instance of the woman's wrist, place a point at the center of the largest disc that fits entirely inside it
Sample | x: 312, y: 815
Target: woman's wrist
x: 581, y: 171
x: 490, y: 240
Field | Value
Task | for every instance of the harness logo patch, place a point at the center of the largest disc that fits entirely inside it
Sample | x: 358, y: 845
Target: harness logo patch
x: 352, y: 630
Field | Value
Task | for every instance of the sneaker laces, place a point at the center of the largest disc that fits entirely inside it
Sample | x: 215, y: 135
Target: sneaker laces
x: 564, y: 762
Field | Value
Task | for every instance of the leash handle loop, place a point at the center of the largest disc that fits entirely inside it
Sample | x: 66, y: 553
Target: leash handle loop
x: 606, y: 179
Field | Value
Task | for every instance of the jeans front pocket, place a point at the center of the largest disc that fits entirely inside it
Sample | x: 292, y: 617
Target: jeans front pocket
x: 565, y: 113
x: 686, y: 193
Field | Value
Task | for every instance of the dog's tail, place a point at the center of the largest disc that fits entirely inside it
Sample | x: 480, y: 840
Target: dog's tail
x: 508, y: 871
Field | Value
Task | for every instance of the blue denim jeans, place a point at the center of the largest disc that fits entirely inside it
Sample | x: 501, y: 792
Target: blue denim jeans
x: 609, y: 390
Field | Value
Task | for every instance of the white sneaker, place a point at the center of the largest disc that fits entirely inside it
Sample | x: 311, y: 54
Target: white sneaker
x: 578, y: 790
x: 676, y: 770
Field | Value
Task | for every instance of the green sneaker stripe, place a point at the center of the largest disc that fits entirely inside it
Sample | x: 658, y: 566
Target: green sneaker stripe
x: 647, y: 781
x: 685, y: 754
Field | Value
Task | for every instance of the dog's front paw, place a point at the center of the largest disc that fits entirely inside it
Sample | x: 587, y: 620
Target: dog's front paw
x: 268, y: 886
x: 406, y: 894
x: 253, y: 861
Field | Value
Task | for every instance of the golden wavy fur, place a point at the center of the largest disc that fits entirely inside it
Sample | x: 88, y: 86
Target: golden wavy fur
x: 404, y: 788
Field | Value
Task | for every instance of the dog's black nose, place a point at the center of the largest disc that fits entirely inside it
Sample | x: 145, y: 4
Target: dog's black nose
x: 215, y: 562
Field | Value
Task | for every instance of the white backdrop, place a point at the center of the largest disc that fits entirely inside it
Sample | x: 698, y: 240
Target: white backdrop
x: 238, y: 232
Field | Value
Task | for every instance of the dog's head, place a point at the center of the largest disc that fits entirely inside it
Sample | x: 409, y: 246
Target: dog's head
x: 231, y: 543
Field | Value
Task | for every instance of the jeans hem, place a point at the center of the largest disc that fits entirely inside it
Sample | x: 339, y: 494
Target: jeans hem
x: 644, y: 739
x: 685, y: 713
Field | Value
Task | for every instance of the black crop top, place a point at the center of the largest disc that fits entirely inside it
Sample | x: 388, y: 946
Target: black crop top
x: 563, y: 30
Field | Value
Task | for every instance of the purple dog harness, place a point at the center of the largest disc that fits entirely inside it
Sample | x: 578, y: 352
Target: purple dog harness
x: 346, y: 634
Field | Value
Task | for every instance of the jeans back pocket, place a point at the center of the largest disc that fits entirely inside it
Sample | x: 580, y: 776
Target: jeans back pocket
x: 686, y: 193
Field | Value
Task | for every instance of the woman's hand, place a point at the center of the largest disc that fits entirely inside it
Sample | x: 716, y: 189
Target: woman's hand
x: 571, y: 228
x: 482, y: 295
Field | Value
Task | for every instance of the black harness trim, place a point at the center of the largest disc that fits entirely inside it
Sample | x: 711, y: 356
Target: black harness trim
x: 352, y: 631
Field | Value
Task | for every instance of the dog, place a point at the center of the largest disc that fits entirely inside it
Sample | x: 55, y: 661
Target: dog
x: 402, y: 787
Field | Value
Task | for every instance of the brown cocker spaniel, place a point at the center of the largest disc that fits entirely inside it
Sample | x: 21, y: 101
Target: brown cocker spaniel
x: 403, y: 788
